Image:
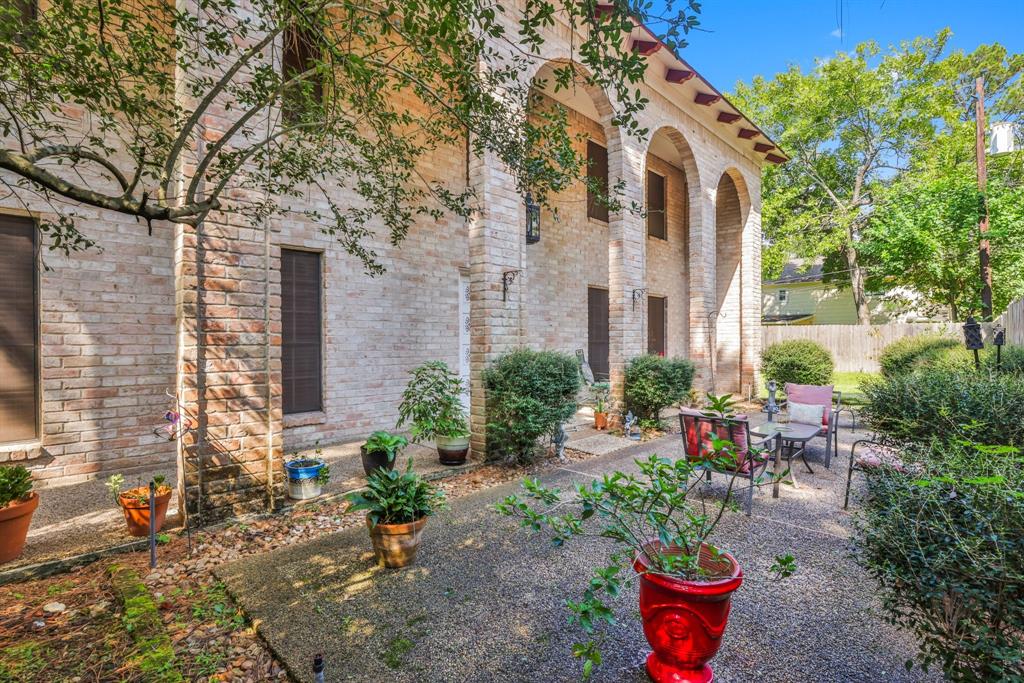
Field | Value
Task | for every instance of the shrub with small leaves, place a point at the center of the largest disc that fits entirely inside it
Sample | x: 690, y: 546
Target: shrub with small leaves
x: 923, y: 351
x: 797, y: 361
x: 653, y: 383
x: 15, y: 484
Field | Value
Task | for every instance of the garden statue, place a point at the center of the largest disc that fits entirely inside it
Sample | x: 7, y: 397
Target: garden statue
x: 773, y: 407
x: 630, y: 428
x: 558, y: 440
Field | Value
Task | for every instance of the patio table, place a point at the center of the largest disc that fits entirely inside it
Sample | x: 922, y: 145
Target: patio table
x: 789, y: 435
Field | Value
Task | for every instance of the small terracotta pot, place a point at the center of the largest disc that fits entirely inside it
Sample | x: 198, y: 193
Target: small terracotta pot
x: 684, y: 620
x: 395, y: 544
x: 376, y: 460
x: 15, y: 520
x: 600, y: 420
x: 136, y: 514
x: 452, y: 451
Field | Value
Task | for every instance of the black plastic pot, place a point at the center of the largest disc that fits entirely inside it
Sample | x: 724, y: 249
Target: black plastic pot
x: 375, y: 460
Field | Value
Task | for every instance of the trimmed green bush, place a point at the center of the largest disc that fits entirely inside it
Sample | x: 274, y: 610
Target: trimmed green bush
x: 797, y: 361
x: 654, y: 383
x: 1012, y: 359
x: 926, y: 350
x: 945, y: 541
x: 529, y: 394
x: 947, y: 405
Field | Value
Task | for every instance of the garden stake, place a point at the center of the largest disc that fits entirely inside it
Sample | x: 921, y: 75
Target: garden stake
x: 152, y: 525
x: 318, y: 669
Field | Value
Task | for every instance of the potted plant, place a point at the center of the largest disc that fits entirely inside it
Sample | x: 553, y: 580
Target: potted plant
x: 307, y: 476
x: 135, y: 503
x: 380, y: 451
x: 397, y: 505
x: 685, y: 582
x: 17, y: 503
x: 601, y: 405
x: 432, y: 405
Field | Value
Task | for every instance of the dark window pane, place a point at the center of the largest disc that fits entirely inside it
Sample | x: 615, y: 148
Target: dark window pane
x: 19, y: 353
x: 656, y: 319
x: 656, y: 206
x: 597, y: 332
x: 299, y: 54
x: 301, y: 344
x: 597, y: 170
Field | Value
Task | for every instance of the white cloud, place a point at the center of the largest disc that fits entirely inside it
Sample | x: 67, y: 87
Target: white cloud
x: 837, y: 33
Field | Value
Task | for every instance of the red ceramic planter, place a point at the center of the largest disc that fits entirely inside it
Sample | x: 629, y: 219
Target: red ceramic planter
x: 684, y: 620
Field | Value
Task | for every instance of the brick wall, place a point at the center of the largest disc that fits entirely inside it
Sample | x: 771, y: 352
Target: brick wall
x: 666, y: 260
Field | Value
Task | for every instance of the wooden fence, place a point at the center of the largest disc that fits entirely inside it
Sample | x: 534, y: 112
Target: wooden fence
x: 855, y: 348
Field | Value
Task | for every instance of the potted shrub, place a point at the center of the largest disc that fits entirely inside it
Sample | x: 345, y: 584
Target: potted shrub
x: 380, y: 451
x: 397, y: 505
x: 601, y: 405
x: 17, y: 503
x: 135, y: 503
x: 432, y: 405
x: 685, y: 582
x: 307, y: 476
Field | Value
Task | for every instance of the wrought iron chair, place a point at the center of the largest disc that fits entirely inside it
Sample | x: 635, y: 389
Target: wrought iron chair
x: 879, y: 454
x: 697, y: 430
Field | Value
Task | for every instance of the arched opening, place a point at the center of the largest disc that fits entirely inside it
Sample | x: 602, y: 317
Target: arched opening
x: 671, y: 195
x: 566, y: 299
x: 731, y: 209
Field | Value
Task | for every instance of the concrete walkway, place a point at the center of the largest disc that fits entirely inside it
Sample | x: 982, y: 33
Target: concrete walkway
x: 484, y: 601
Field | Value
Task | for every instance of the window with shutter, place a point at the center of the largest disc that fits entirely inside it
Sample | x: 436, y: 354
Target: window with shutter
x: 657, y: 309
x: 302, y: 335
x: 656, y: 206
x: 298, y: 56
x: 597, y: 174
x: 19, y: 324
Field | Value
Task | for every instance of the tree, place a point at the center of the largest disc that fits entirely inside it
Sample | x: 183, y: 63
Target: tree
x: 847, y: 124
x: 105, y: 105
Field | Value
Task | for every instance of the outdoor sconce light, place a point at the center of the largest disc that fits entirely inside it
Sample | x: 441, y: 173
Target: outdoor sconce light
x: 532, y: 219
x: 999, y: 338
x: 972, y: 339
x: 507, y: 278
x: 638, y: 295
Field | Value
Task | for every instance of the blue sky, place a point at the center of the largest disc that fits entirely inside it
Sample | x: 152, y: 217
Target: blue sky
x: 750, y: 37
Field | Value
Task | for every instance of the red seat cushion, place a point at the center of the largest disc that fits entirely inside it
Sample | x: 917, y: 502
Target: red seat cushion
x: 813, y: 395
x: 692, y: 438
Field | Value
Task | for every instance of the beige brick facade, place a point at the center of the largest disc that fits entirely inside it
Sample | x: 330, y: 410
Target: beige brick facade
x: 197, y: 312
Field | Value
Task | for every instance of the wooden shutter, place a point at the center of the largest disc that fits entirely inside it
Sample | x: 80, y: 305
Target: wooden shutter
x: 656, y: 206
x: 656, y: 319
x: 597, y: 332
x: 302, y: 335
x: 597, y: 171
x: 19, y: 322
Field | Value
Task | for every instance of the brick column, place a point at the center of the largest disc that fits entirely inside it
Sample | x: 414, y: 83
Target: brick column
x: 626, y: 244
x: 496, y: 236
x: 750, y: 348
x: 702, y: 283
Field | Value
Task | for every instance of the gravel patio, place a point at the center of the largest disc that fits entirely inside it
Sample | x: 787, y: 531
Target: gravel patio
x: 484, y: 601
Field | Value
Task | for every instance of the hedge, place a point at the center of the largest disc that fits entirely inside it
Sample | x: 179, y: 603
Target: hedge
x: 797, y: 361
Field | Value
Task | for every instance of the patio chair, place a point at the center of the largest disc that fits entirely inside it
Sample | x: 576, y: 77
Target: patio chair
x: 697, y: 430
x: 831, y: 403
x: 878, y: 454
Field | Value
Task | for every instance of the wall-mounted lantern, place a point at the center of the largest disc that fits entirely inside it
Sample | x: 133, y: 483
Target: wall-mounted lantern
x: 972, y: 339
x: 532, y: 219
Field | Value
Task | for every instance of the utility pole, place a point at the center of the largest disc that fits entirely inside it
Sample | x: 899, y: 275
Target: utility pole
x: 983, y: 245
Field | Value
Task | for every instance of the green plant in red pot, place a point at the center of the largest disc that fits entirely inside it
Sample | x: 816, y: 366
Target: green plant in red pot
x: 432, y: 405
x: 663, y: 533
x: 17, y: 503
x: 134, y: 502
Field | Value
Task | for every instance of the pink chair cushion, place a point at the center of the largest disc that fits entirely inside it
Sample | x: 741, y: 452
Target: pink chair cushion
x: 813, y: 395
x: 704, y: 438
x: 874, y: 457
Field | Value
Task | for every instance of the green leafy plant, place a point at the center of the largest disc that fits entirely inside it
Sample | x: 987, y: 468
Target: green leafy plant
x: 432, y: 403
x: 386, y: 442
x: 797, y: 361
x: 15, y: 484
x: 138, y: 494
x: 944, y: 537
x: 920, y: 352
x: 601, y: 391
x: 653, y: 383
x: 652, y: 513
x: 529, y: 394
x: 393, y: 497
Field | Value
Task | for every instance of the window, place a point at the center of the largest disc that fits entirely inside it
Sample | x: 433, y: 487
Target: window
x: 301, y: 344
x: 657, y: 315
x: 298, y: 56
x: 656, y: 223
x: 597, y: 174
x: 19, y: 322
x: 783, y: 296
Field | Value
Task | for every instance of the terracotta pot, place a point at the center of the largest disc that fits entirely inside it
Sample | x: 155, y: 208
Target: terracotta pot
x: 600, y: 420
x: 395, y: 544
x: 452, y: 451
x: 136, y: 514
x: 376, y: 460
x: 684, y: 620
x: 15, y: 520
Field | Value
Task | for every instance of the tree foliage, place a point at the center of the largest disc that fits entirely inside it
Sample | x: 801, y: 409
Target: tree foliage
x: 269, y: 108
